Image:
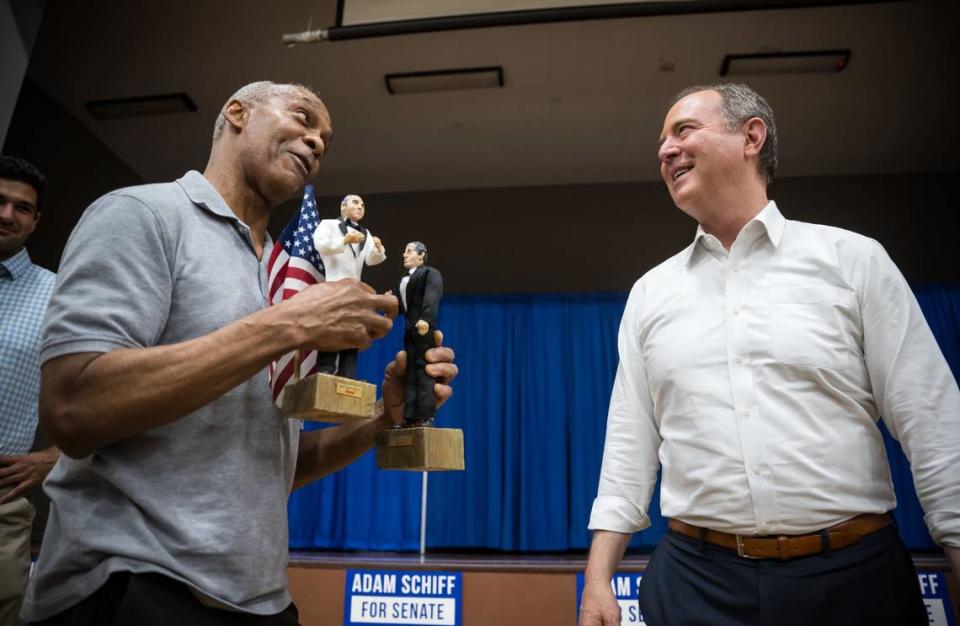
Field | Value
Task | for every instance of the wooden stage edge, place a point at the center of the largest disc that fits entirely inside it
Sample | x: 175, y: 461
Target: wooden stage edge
x: 492, y: 562
x: 466, y: 562
x: 498, y: 589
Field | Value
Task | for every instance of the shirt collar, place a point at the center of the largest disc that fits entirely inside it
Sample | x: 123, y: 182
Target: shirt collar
x: 770, y: 218
x: 18, y: 264
x: 203, y: 194
x: 773, y: 221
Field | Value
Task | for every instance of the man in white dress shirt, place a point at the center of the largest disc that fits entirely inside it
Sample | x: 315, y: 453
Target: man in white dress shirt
x: 754, y: 366
x: 345, y: 247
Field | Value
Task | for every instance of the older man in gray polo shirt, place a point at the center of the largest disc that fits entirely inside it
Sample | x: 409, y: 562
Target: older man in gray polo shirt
x: 172, y: 505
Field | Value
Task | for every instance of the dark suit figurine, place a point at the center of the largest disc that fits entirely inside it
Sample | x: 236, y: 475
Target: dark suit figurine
x: 419, y: 294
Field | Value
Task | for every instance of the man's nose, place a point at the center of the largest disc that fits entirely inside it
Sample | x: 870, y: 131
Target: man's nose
x: 668, y: 150
x: 6, y: 210
x: 315, y: 143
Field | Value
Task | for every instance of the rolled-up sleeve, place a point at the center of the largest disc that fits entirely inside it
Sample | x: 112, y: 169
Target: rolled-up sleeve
x: 915, y: 391
x: 630, y: 463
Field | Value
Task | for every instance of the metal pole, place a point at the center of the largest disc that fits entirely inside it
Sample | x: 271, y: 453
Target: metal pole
x: 423, y: 517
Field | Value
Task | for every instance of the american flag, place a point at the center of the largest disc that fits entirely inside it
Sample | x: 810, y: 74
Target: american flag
x: 293, y: 266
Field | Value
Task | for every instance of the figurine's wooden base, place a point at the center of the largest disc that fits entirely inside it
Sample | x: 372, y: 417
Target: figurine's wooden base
x: 423, y: 448
x: 326, y: 398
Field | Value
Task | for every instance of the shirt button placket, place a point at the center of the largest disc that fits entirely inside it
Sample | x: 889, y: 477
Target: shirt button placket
x: 743, y: 393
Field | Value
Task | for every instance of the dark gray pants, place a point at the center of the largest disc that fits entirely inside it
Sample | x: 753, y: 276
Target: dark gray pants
x: 421, y: 403
x: 871, y: 583
x: 154, y: 600
x: 343, y: 363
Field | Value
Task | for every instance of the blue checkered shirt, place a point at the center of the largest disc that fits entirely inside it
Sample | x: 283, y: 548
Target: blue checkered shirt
x: 24, y: 291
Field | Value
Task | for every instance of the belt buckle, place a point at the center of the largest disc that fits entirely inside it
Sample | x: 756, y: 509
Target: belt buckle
x: 740, y: 551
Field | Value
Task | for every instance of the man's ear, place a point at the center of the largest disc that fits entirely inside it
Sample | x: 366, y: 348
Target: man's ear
x: 237, y: 114
x: 754, y: 135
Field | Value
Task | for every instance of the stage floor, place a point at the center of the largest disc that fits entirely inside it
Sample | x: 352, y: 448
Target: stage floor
x: 467, y: 562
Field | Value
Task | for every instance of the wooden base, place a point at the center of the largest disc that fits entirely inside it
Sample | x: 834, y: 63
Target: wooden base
x: 423, y: 448
x: 326, y: 398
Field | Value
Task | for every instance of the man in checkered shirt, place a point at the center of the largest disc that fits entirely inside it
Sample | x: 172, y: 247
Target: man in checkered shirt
x: 24, y: 291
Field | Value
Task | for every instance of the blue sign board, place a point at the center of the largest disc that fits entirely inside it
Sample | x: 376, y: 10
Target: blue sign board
x: 403, y: 597
x: 625, y: 591
x: 933, y: 586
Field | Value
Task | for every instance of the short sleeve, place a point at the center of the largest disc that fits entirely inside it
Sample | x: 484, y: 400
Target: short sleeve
x: 114, y: 283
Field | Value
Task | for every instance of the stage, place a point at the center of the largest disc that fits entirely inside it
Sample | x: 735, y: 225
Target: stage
x: 497, y: 589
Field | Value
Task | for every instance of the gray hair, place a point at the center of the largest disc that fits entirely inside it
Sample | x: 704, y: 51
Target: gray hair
x: 420, y: 248
x: 741, y: 103
x: 256, y: 93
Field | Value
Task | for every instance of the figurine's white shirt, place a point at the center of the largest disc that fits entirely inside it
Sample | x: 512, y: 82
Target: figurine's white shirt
x: 403, y: 286
x: 354, y: 227
x: 756, y: 377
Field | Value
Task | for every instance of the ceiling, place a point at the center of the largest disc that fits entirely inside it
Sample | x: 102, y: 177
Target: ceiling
x: 583, y: 102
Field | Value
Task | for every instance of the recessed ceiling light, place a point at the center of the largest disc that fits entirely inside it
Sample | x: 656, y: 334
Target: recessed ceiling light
x: 445, y: 80
x: 807, y: 61
x: 140, y: 106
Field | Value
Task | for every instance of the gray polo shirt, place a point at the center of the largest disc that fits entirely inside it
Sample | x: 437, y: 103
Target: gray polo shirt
x: 202, y: 499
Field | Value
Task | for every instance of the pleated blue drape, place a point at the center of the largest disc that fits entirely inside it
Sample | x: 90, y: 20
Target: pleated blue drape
x: 532, y: 402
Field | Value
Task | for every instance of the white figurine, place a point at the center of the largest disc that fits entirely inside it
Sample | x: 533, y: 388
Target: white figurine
x: 345, y: 246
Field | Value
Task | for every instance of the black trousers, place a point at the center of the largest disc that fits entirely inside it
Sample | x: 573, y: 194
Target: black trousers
x: 420, y: 404
x: 871, y: 583
x: 347, y: 366
x: 154, y: 600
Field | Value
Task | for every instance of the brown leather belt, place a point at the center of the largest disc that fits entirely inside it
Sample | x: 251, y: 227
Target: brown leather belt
x: 788, y: 546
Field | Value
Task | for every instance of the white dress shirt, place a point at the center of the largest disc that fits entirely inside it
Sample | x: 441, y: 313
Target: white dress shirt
x: 755, y: 377
x: 403, y: 286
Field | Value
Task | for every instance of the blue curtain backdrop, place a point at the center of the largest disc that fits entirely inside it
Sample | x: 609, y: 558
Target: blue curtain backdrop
x: 532, y: 401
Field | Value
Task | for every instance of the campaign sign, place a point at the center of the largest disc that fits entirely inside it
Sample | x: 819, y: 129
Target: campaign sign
x: 625, y: 588
x: 933, y: 586
x: 402, y: 597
